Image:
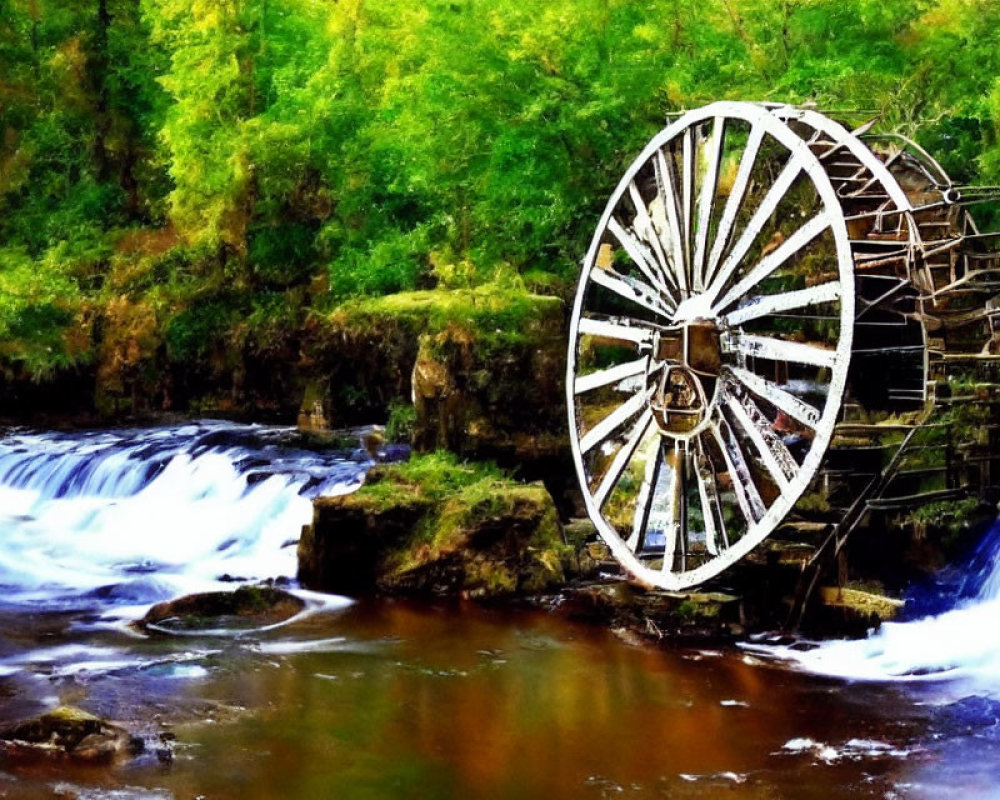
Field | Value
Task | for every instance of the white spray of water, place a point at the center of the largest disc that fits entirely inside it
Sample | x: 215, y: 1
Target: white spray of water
x: 123, y: 518
x: 960, y: 644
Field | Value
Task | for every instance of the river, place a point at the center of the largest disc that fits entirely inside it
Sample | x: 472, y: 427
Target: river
x: 391, y: 699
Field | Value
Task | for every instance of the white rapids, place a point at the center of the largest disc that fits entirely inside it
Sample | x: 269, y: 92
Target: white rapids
x: 120, y: 518
x: 960, y: 643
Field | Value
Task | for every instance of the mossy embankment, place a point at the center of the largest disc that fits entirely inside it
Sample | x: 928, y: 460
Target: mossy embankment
x: 508, y: 343
x: 152, y: 351
x: 477, y: 371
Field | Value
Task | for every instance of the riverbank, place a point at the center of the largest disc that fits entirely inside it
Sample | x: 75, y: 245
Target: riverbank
x: 478, y: 373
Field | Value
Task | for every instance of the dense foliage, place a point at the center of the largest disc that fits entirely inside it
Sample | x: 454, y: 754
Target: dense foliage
x: 180, y: 176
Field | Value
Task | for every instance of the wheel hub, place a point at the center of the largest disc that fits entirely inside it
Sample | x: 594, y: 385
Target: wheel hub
x: 687, y: 359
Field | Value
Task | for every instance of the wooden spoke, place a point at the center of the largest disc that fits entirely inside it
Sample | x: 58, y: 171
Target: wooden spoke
x: 706, y: 201
x: 773, y: 453
x: 765, y: 305
x: 623, y: 457
x: 666, y: 185
x: 603, y: 429
x: 605, y: 377
x: 767, y: 207
x: 634, y: 290
x: 747, y: 496
x: 735, y: 200
x: 647, y: 496
x: 776, y: 396
x: 772, y: 441
x: 637, y: 332
x: 783, y: 350
x: 645, y: 228
x: 676, y: 522
x: 715, y: 531
x: 688, y: 179
x: 639, y: 254
x: 767, y: 265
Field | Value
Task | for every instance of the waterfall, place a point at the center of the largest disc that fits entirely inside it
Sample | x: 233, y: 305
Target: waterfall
x: 122, y: 518
x: 960, y: 642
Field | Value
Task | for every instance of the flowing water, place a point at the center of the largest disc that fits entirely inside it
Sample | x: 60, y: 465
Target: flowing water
x: 383, y: 699
x: 956, y: 639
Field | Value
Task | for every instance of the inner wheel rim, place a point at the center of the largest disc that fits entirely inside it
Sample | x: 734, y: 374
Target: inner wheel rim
x: 710, y: 342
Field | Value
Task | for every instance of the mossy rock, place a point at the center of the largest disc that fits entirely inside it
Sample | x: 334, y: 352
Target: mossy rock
x: 342, y: 550
x: 484, y: 367
x: 484, y: 541
x: 246, y: 607
x: 492, y: 394
x: 436, y: 526
x: 857, y: 610
x: 67, y: 733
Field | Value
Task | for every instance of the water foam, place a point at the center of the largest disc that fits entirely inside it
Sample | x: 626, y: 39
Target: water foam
x: 129, y: 517
x: 960, y: 643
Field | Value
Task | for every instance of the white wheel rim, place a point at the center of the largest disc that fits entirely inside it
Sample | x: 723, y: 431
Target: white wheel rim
x: 700, y: 282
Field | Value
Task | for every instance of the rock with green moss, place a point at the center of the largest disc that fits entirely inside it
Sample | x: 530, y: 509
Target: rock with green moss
x: 343, y: 550
x: 246, y: 607
x: 67, y: 733
x: 436, y: 526
x: 854, y: 612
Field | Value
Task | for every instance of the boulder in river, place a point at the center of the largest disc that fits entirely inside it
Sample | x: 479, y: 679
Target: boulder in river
x: 436, y: 526
x: 68, y: 733
x: 245, y: 607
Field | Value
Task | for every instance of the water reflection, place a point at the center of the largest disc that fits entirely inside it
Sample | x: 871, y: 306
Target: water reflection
x: 465, y: 702
x: 389, y: 699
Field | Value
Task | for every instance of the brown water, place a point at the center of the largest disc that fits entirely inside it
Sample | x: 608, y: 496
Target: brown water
x: 392, y: 700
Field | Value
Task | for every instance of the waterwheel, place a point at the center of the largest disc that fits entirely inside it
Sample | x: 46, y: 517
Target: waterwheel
x: 759, y: 270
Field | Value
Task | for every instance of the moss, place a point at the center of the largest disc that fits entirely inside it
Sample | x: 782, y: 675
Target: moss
x: 580, y: 532
x: 247, y: 605
x: 399, y: 425
x: 699, y: 609
x: 480, y: 510
x: 463, y: 528
x: 544, y: 282
x: 254, y: 599
x: 380, y: 495
x: 498, y: 313
x: 686, y: 611
x: 432, y: 477
x: 949, y: 515
x: 70, y: 715
x: 487, y: 578
x: 866, y: 604
x: 813, y: 502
